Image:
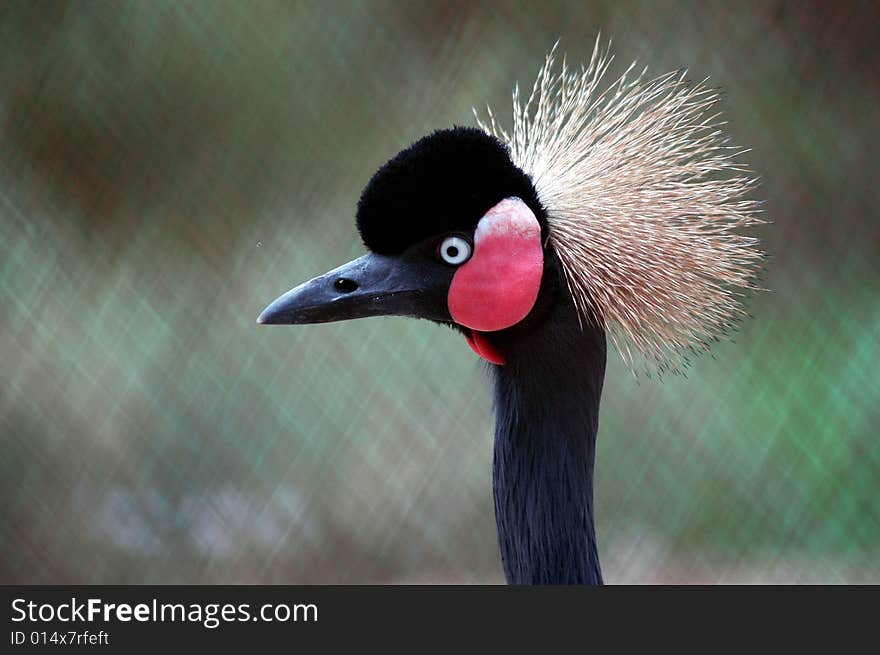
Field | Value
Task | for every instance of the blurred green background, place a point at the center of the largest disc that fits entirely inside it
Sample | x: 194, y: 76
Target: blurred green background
x: 167, y: 168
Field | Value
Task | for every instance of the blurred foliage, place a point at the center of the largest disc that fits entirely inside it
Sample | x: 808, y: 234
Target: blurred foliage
x: 167, y: 168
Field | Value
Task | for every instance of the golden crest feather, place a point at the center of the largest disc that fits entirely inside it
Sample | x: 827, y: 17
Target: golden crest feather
x: 646, y: 200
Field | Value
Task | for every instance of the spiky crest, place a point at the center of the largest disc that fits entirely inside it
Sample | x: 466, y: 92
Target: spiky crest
x: 645, y: 199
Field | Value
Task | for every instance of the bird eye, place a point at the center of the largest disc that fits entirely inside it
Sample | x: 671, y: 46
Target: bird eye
x: 455, y: 250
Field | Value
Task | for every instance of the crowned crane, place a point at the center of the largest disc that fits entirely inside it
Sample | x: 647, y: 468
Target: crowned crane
x: 610, y: 211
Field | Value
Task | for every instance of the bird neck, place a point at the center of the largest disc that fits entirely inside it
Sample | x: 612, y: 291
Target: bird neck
x: 547, y: 409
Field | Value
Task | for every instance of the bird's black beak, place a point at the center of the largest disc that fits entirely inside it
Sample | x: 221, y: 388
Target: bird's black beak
x: 372, y: 285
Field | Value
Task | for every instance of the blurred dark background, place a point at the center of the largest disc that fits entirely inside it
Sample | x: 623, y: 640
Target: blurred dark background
x: 167, y: 168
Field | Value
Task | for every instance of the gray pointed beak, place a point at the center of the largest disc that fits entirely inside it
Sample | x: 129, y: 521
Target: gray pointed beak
x: 371, y: 285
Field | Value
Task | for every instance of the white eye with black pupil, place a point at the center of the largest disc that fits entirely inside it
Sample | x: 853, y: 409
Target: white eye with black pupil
x: 455, y: 250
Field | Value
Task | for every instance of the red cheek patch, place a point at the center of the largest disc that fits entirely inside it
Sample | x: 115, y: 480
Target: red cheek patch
x: 497, y: 287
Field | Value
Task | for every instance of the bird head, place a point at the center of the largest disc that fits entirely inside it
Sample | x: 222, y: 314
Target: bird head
x: 456, y: 234
x: 625, y: 199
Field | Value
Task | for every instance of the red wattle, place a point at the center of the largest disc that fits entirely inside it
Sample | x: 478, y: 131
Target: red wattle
x: 485, y: 348
x: 498, y: 286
